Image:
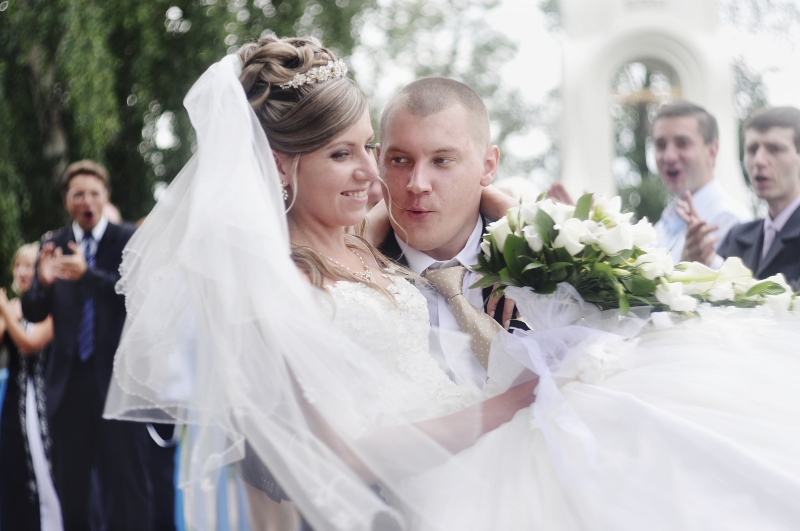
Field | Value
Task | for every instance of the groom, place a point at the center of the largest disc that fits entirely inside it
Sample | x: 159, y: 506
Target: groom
x: 435, y: 158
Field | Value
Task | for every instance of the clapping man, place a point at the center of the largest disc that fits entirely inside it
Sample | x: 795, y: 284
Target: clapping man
x: 686, y: 144
x: 75, y: 283
x: 772, y: 161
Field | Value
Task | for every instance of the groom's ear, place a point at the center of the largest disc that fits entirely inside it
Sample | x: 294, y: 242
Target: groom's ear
x: 491, y: 160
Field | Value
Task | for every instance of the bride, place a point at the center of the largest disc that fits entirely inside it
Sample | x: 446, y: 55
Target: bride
x: 290, y: 335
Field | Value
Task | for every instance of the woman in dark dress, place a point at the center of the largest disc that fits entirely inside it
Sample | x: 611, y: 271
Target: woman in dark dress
x: 27, y: 496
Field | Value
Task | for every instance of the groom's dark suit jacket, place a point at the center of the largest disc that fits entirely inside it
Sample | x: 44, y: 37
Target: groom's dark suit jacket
x: 746, y: 241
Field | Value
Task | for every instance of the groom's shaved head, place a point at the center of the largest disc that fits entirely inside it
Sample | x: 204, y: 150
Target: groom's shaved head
x: 431, y: 95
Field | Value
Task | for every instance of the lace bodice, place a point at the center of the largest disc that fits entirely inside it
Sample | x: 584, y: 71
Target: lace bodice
x: 397, y: 332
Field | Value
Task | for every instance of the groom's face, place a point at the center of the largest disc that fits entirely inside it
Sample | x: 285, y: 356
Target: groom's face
x: 434, y: 169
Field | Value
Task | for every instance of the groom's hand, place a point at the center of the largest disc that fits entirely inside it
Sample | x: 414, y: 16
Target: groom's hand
x: 508, y: 307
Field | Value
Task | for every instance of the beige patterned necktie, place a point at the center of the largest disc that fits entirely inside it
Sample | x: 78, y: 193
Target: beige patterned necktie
x: 473, y: 321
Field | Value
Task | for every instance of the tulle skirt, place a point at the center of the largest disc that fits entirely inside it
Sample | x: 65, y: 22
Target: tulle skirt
x: 689, y: 426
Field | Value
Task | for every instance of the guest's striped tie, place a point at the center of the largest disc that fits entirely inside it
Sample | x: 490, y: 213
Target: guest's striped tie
x: 86, y: 328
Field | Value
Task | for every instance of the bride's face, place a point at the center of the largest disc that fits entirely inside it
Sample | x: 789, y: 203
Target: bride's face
x: 332, y: 182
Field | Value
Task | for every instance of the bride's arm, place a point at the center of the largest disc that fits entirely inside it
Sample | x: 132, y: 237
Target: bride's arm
x: 454, y: 432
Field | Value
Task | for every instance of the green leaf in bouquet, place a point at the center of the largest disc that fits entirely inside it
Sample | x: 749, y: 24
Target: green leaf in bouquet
x: 639, y: 285
x: 541, y: 196
x: 562, y: 255
x: 624, y: 305
x: 582, y: 207
x: 604, y: 269
x: 545, y: 224
x: 765, y: 288
x: 496, y: 259
x: 507, y: 279
x: 486, y: 281
x: 535, y: 264
x: 592, y: 297
x: 547, y: 287
x: 515, y: 247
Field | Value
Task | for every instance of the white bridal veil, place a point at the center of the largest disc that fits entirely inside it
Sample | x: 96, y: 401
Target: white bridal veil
x: 223, y: 334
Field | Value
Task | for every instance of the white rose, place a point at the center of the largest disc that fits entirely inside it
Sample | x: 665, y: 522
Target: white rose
x: 616, y: 239
x: 654, y: 264
x: 531, y: 235
x: 608, y: 210
x: 671, y: 294
x: 499, y: 230
x: 558, y: 211
x: 722, y: 292
x: 486, y: 247
x: 643, y: 233
x: 593, y: 231
x: 782, y: 301
x: 528, y: 212
x: 569, y: 236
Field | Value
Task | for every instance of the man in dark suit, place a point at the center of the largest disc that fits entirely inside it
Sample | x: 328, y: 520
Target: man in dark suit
x: 75, y: 283
x: 772, y: 159
x: 435, y: 158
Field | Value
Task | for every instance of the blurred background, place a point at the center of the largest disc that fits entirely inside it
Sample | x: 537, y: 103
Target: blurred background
x: 106, y: 79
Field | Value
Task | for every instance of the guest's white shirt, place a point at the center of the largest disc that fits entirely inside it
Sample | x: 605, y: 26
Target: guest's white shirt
x: 459, y: 363
x: 713, y: 204
x: 97, y: 234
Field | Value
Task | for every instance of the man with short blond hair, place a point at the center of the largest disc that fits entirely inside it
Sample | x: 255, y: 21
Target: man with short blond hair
x: 435, y: 158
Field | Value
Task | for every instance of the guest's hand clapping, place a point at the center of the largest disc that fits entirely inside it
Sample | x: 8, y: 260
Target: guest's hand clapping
x: 701, y: 237
x: 54, y: 264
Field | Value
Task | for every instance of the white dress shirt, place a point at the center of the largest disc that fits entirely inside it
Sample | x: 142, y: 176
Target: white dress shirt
x: 459, y: 362
x: 97, y: 234
x: 713, y: 204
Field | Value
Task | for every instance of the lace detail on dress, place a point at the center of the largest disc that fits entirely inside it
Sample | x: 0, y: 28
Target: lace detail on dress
x: 397, y: 332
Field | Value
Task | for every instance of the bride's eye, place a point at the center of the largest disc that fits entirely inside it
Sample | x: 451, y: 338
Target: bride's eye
x: 339, y: 155
x: 370, y: 147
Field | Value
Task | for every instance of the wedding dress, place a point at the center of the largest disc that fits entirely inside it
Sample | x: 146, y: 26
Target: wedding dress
x: 693, y: 425
x: 636, y: 425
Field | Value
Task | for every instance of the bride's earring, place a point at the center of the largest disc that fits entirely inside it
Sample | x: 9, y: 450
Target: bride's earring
x: 285, y: 191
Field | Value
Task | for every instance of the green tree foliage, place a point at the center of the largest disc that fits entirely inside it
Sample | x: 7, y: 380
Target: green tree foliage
x: 106, y: 80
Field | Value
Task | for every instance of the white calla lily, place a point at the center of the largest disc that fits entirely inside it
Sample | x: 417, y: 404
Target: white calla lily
x: 671, y: 294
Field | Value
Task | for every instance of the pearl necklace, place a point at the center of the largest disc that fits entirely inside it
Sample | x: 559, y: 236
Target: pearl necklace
x: 366, y: 275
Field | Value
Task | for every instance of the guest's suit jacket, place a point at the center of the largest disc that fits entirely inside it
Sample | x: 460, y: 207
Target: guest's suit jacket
x: 783, y: 256
x: 64, y: 300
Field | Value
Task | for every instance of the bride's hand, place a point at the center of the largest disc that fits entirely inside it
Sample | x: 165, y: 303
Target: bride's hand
x: 500, y: 409
x: 494, y: 203
x: 508, y: 307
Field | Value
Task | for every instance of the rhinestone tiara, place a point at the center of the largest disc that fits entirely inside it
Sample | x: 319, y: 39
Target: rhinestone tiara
x: 318, y: 74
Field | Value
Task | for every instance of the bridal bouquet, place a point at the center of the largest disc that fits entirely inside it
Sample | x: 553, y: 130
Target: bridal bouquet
x: 595, y: 248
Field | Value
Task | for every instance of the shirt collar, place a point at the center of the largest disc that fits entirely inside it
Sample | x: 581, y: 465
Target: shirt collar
x: 781, y: 219
x: 468, y: 257
x: 97, y: 231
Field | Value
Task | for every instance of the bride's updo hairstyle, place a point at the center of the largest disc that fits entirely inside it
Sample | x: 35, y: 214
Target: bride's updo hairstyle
x: 302, y: 119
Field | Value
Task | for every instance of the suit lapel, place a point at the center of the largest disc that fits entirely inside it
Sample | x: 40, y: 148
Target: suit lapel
x: 750, y: 242
x: 790, y: 231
